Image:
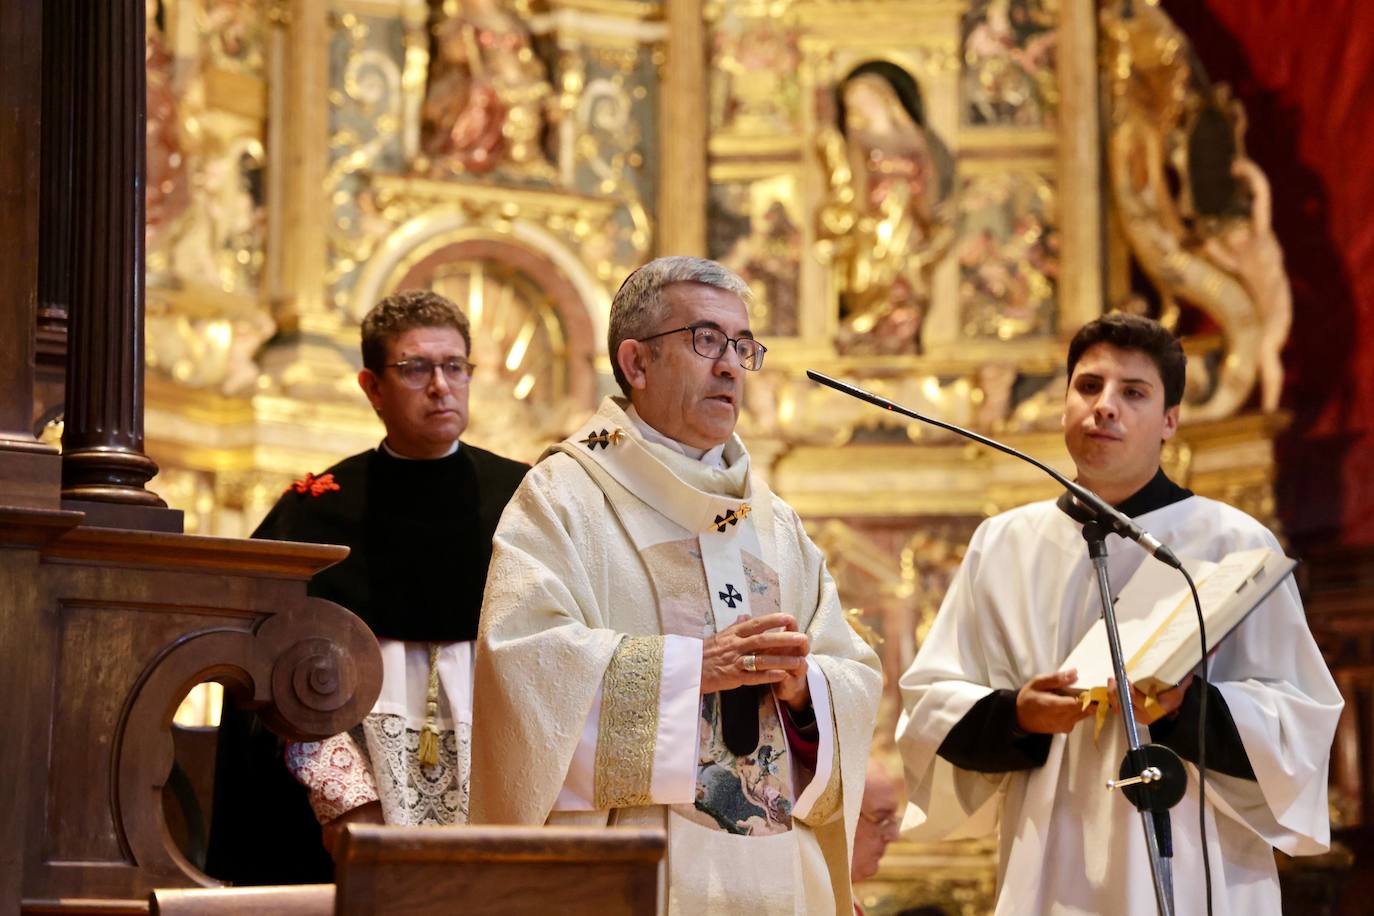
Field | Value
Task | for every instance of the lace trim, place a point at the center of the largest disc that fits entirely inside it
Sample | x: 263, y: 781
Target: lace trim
x: 413, y: 793
x: 628, y: 730
x: 335, y: 771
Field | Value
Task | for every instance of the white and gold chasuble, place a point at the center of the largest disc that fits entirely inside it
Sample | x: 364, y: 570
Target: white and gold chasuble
x: 589, y: 663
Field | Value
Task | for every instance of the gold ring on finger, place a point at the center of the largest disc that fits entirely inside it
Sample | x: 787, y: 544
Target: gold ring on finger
x: 749, y: 662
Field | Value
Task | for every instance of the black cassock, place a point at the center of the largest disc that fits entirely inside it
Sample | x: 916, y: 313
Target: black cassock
x: 420, y: 534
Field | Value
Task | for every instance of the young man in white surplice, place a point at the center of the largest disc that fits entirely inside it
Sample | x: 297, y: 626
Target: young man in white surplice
x: 988, y: 739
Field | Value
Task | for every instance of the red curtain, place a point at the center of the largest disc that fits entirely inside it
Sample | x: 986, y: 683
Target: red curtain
x: 1305, y: 71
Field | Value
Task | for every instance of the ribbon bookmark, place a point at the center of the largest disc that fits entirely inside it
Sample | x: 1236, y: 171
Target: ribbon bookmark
x: 1099, y: 695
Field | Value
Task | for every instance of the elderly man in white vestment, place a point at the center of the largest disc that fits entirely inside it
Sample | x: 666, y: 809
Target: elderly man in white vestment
x: 986, y: 734
x: 661, y: 643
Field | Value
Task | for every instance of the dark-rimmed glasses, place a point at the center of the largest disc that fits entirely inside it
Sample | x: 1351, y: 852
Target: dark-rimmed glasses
x: 416, y: 372
x: 711, y: 343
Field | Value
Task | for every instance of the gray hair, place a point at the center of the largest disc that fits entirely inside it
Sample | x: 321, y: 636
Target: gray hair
x: 639, y: 305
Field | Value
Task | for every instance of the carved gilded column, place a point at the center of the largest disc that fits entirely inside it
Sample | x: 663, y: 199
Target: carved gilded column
x: 682, y: 133
x: 102, y: 442
x: 301, y: 124
x: 1081, y: 289
x: 28, y: 468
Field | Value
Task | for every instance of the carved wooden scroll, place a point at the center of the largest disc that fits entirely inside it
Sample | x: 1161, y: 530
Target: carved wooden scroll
x: 102, y: 633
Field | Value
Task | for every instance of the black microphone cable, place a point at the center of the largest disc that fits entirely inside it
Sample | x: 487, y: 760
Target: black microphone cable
x: 1202, y: 742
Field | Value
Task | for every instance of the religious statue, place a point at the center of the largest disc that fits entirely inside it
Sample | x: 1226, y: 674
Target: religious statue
x: 1195, y: 210
x: 888, y: 216
x: 488, y: 95
x: 1248, y: 248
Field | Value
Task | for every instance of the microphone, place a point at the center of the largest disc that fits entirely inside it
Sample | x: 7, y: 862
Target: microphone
x: 1102, y: 511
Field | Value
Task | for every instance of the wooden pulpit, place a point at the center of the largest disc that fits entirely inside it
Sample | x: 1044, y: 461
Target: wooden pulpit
x: 425, y: 871
x: 475, y: 871
x: 102, y: 634
x: 108, y: 614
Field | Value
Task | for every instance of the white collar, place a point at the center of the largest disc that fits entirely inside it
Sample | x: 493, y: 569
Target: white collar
x: 712, y: 457
x: 395, y: 454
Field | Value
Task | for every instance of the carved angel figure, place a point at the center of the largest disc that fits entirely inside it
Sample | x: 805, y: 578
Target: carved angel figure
x: 1195, y: 211
x: 888, y: 215
x: 1248, y: 248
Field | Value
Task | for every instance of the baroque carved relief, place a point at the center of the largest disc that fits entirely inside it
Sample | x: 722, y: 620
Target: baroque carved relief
x: 1008, y: 255
x: 755, y: 52
x: 1009, y: 76
x: 1196, y: 214
x: 488, y: 101
x: 206, y: 229
x: 888, y: 215
x: 754, y: 228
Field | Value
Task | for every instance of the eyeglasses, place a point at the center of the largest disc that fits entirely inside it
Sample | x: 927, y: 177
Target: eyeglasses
x: 882, y: 823
x: 416, y: 373
x: 711, y: 343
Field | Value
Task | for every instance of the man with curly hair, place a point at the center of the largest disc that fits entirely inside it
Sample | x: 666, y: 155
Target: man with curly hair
x: 418, y: 512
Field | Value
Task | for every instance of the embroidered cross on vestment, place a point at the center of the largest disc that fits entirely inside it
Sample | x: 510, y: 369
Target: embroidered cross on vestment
x: 604, y: 438
x: 732, y: 517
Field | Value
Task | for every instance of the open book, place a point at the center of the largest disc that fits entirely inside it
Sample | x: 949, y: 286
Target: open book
x: 1158, y: 623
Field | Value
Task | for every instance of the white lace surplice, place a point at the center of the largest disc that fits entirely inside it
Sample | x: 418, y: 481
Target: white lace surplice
x: 379, y: 759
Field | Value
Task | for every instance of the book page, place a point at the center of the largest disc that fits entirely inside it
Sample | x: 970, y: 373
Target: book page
x: 1158, y: 623
x: 1141, y: 606
x: 1223, y: 595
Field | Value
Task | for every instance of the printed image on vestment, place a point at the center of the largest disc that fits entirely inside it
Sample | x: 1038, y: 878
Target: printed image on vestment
x: 751, y: 794
x: 748, y: 794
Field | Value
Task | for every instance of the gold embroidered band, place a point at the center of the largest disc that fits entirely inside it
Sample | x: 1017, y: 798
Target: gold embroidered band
x: 628, y: 729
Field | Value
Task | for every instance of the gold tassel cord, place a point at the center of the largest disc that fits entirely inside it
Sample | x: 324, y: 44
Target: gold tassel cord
x: 429, y: 734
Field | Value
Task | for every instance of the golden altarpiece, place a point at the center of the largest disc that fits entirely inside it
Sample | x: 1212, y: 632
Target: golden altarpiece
x: 927, y: 196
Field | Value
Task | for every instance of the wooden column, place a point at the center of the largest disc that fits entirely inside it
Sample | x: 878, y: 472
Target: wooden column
x: 28, y: 469
x: 103, y: 459
x: 682, y: 133
x: 54, y: 228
